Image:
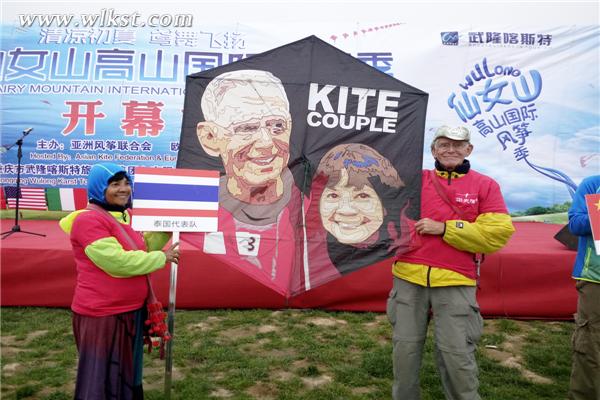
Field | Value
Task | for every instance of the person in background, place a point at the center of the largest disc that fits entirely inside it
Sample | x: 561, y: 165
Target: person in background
x: 462, y: 213
x: 112, y: 262
x: 585, y: 373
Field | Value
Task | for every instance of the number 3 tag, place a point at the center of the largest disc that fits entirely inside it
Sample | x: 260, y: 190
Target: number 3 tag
x: 247, y: 243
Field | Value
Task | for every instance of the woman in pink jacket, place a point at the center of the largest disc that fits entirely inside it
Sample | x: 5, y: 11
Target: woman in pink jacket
x: 112, y: 262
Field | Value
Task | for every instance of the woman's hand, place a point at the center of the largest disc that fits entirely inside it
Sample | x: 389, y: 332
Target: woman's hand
x: 172, y: 253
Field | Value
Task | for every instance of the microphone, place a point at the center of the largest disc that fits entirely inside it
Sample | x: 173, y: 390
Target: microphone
x: 27, y: 131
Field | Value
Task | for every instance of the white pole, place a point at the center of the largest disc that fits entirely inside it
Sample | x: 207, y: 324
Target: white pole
x: 305, y: 250
x: 171, y: 324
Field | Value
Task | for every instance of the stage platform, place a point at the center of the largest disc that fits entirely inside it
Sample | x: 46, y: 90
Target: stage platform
x: 529, y: 279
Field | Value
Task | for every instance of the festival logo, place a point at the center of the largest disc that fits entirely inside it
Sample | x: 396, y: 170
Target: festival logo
x: 499, y: 101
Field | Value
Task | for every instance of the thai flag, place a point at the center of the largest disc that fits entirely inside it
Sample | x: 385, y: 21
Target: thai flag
x: 183, y: 200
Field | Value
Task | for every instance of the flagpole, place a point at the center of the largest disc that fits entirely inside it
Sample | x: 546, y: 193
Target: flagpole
x: 170, y: 324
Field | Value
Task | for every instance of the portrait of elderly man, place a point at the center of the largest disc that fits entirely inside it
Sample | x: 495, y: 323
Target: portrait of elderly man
x: 247, y: 124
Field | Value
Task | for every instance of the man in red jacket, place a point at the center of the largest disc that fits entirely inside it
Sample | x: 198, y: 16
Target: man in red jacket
x: 462, y: 213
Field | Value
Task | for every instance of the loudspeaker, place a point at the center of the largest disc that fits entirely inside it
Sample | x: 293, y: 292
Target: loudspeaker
x: 567, y: 238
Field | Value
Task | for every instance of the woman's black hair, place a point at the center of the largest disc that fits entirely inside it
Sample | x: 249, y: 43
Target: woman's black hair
x: 118, y: 176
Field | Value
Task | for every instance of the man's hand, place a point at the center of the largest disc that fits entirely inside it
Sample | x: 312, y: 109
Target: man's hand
x: 427, y: 226
x: 172, y: 253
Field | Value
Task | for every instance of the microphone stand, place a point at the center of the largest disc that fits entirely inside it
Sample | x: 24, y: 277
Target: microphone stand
x: 16, y: 228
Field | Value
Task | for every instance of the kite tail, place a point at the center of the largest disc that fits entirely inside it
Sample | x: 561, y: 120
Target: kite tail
x: 556, y: 175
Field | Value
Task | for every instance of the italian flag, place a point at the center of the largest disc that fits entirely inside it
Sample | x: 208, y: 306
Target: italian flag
x: 61, y: 199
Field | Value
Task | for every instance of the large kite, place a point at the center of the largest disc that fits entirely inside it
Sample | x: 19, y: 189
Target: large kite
x: 320, y: 158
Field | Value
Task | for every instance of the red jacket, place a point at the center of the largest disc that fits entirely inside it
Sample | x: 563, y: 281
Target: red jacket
x: 96, y: 292
x: 479, y: 199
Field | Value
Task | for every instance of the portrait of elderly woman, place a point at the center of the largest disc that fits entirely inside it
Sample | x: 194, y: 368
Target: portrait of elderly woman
x: 355, y: 217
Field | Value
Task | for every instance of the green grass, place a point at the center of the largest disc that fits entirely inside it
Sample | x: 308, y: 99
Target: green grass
x: 557, y: 218
x: 33, y: 214
x: 287, y: 354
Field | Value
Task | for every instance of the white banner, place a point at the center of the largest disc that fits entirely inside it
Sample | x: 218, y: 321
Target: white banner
x: 106, y: 81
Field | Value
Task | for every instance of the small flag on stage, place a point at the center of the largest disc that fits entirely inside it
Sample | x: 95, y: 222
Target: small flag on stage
x: 593, y: 206
x: 65, y: 199
x: 2, y: 199
x: 183, y: 200
x: 29, y: 198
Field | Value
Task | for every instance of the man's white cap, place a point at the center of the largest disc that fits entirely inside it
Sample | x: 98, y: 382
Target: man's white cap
x: 458, y: 133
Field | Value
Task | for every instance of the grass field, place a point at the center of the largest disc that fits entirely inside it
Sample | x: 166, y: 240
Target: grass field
x: 285, y: 354
x: 557, y: 218
x: 33, y: 214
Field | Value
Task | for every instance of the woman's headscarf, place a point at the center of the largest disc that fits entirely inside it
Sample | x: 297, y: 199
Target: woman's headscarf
x: 98, y: 180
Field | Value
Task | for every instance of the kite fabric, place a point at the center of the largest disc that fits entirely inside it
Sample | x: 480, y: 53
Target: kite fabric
x: 320, y: 158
